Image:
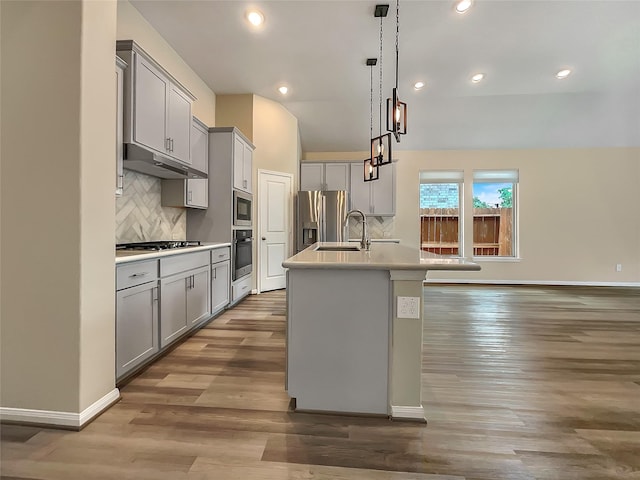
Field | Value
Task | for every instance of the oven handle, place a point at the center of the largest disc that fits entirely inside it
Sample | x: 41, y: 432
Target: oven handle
x: 243, y: 240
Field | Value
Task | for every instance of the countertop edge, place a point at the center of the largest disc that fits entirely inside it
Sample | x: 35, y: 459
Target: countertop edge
x: 385, y: 256
x: 396, y: 266
x: 135, y: 257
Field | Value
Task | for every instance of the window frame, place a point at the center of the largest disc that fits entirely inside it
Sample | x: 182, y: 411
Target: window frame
x: 506, y: 175
x: 439, y: 177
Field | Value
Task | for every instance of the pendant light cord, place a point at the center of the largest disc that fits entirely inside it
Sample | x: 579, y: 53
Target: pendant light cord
x: 371, y: 103
x: 380, y: 97
x: 397, y: 35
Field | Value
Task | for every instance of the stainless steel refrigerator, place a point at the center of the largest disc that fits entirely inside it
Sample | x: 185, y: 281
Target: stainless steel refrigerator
x: 321, y: 217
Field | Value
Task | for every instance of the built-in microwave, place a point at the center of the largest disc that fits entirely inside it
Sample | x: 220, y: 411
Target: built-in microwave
x: 241, y: 209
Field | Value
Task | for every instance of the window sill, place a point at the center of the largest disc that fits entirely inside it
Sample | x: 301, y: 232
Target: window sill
x: 488, y: 258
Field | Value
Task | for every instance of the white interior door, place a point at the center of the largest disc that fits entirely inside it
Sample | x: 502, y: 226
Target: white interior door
x: 275, y: 203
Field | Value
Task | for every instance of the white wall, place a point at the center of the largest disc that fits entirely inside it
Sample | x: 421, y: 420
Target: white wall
x: 58, y: 100
x: 576, y: 212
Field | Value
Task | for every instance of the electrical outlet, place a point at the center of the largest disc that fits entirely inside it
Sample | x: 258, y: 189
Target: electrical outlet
x: 408, y: 307
x: 618, y: 267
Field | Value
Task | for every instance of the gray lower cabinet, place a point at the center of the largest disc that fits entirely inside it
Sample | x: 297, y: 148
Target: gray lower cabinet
x: 184, y: 302
x: 136, y: 315
x: 220, y: 285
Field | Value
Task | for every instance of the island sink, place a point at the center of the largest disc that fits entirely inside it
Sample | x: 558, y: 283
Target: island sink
x: 337, y: 248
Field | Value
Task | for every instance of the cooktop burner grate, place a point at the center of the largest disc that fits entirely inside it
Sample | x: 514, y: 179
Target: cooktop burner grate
x: 157, y: 245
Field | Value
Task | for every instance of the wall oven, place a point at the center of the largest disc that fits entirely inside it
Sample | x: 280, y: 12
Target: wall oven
x: 242, y: 247
x: 241, y: 209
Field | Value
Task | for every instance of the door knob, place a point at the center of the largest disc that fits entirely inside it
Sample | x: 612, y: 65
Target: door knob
x: 264, y: 238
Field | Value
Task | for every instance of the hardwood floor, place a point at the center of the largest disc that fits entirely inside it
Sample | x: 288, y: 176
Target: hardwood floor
x: 518, y: 383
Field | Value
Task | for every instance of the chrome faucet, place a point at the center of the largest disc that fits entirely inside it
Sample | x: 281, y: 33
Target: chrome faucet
x: 365, y: 242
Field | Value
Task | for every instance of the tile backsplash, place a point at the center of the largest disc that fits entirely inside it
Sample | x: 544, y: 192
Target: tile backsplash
x: 379, y: 227
x: 140, y: 216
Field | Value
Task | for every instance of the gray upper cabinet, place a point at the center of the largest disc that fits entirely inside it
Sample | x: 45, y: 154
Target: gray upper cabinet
x: 120, y: 66
x: 324, y: 176
x: 376, y: 197
x: 157, y: 108
x: 193, y: 193
x: 179, y: 120
x: 242, y: 164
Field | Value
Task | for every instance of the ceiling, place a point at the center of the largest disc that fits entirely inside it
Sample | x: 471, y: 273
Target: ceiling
x: 319, y: 48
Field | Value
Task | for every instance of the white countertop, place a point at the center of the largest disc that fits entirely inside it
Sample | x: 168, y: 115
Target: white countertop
x: 124, y: 256
x: 381, y: 256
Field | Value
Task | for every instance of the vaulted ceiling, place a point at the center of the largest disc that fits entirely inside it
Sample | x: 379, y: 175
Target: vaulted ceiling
x: 319, y: 48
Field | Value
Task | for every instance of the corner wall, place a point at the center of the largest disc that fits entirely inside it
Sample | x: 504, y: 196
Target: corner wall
x: 58, y: 343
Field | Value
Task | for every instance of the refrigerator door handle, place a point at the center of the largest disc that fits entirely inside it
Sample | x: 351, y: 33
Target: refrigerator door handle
x: 322, y: 207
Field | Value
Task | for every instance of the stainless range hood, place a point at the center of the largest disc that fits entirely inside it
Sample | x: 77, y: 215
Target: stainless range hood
x: 152, y: 163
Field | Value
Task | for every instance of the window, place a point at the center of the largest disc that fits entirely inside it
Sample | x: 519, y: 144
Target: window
x: 440, y: 200
x: 494, y: 194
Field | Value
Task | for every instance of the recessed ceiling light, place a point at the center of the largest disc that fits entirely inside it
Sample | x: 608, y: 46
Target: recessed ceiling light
x: 463, y: 5
x: 477, y: 77
x: 255, y: 17
x: 563, y: 74
x: 283, y: 90
x: 418, y: 85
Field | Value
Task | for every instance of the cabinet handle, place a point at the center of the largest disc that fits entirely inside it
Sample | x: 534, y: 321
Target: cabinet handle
x: 190, y: 196
x: 245, y: 287
x: 215, y: 273
x: 141, y: 274
x: 171, y: 141
x: 166, y: 144
x: 155, y: 294
x: 120, y: 181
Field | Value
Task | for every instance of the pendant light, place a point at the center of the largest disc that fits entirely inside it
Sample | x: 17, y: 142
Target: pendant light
x: 396, y: 110
x: 381, y: 145
x: 371, y: 171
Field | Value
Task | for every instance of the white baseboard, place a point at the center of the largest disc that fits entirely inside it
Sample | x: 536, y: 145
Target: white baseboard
x: 414, y: 414
x: 59, y: 419
x: 535, y: 282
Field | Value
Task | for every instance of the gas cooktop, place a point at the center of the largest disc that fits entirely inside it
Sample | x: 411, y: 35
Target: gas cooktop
x: 158, y: 245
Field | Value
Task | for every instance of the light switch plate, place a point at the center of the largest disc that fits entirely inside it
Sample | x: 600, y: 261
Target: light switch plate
x: 408, y: 307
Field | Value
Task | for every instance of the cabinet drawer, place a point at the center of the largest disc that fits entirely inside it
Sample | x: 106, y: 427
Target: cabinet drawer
x: 136, y: 273
x: 183, y: 262
x: 241, y: 288
x: 220, y: 254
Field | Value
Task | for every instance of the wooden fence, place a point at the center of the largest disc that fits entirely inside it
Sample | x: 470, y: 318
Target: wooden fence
x: 492, y: 231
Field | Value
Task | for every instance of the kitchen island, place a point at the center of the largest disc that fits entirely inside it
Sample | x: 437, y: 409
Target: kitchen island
x: 354, y: 327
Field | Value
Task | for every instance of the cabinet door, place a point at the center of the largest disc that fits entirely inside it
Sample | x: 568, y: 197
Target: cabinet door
x: 383, y: 192
x: 198, y: 295
x: 179, y: 128
x: 360, y: 191
x: 238, y: 163
x: 336, y: 176
x: 199, y: 146
x: 247, y: 168
x: 311, y: 176
x: 136, y: 326
x: 197, y: 193
x: 150, y: 106
x: 173, y: 308
x: 220, y: 282
x: 119, y: 131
